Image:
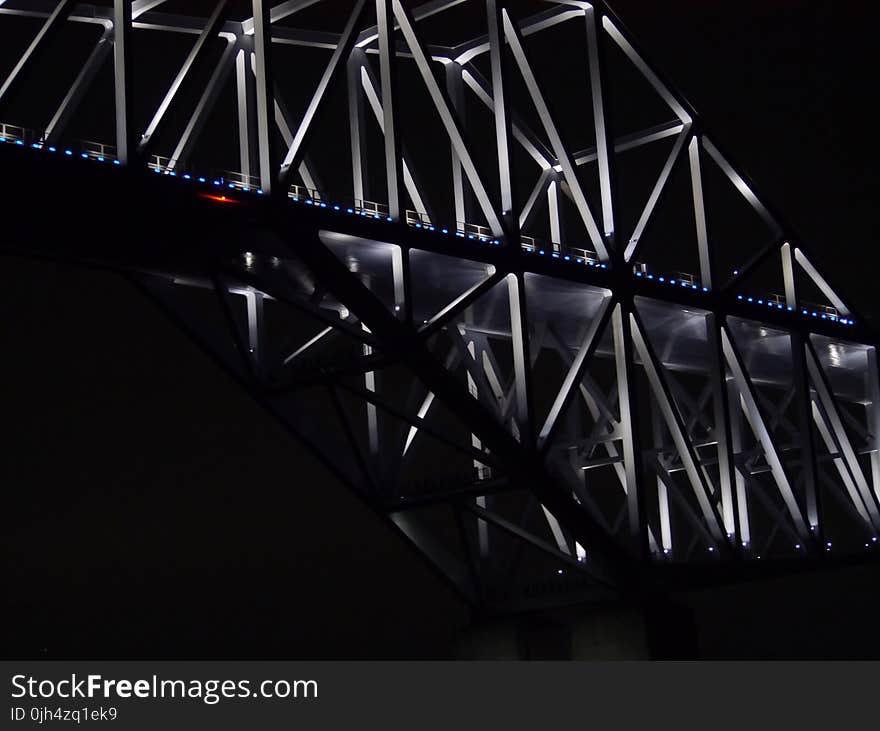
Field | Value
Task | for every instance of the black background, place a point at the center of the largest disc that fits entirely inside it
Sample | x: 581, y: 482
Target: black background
x: 152, y: 510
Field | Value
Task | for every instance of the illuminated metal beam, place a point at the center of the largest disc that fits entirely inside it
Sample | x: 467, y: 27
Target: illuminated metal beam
x: 197, y: 52
x: 756, y: 421
x: 819, y: 281
x: 514, y: 39
x: 49, y: 28
x: 296, y: 149
x: 125, y: 148
x: 575, y: 372
x: 829, y: 406
x: 80, y: 86
x: 703, y: 491
x: 442, y: 105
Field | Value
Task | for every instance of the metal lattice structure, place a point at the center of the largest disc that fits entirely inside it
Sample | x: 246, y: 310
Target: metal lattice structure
x: 500, y: 354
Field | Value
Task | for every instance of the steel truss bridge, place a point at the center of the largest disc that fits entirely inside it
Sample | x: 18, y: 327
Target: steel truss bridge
x: 482, y: 258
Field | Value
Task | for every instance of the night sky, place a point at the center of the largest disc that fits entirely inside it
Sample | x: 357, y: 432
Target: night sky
x: 152, y: 509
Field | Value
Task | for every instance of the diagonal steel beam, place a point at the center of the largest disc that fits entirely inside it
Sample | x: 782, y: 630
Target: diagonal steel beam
x: 402, y: 341
x: 205, y: 104
x: 367, y: 84
x: 575, y: 373
x: 447, y: 117
x: 829, y: 406
x: 674, y: 422
x: 756, y: 421
x: 514, y: 38
x: 80, y: 86
x: 675, y: 154
x: 53, y: 23
x: 194, y: 57
x: 819, y: 281
x: 337, y: 61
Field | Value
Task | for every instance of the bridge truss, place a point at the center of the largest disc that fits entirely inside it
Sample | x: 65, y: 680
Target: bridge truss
x: 535, y: 317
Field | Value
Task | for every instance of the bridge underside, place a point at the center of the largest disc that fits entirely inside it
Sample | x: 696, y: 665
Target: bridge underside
x: 541, y: 400
x: 308, y: 308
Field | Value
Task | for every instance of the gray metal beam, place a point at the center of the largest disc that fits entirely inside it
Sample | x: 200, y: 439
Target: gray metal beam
x: 265, y: 94
x: 829, y: 406
x: 122, y: 33
x: 599, y: 122
x: 357, y: 126
x: 624, y: 360
x: 388, y: 80
x: 700, y: 213
x: 447, y: 117
x: 205, y: 104
x: 50, y: 27
x: 575, y: 373
x: 756, y: 421
x: 514, y: 38
x: 296, y: 151
x: 80, y: 86
x: 675, y: 424
x: 197, y: 52
x: 501, y: 115
x: 635, y: 239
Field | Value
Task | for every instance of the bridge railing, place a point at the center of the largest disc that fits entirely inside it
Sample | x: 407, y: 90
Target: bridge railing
x: 160, y: 163
x: 14, y: 133
x: 301, y: 192
x: 682, y: 279
x: 240, y: 180
x: 417, y: 218
x: 474, y: 229
x: 371, y: 208
x: 534, y: 245
x: 99, y: 150
x: 826, y: 312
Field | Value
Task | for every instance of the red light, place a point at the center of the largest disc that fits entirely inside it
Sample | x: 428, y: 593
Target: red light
x: 218, y: 198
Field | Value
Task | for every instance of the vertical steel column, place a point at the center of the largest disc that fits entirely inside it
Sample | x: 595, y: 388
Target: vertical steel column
x: 700, y: 213
x: 873, y: 376
x: 804, y: 399
x: 125, y: 147
x: 255, y: 329
x: 482, y: 526
x: 246, y: 94
x: 455, y: 89
x: 388, y: 82
x: 627, y: 398
x: 357, y: 125
x: 265, y: 93
x: 602, y: 149
x: 521, y: 360
x: 727, y: 472
x: 402, y: 288
x: 735, y: 413
x: 553, y: 211
x: 788, y: 277
x: 502, y: 120
x: 662, y: 490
